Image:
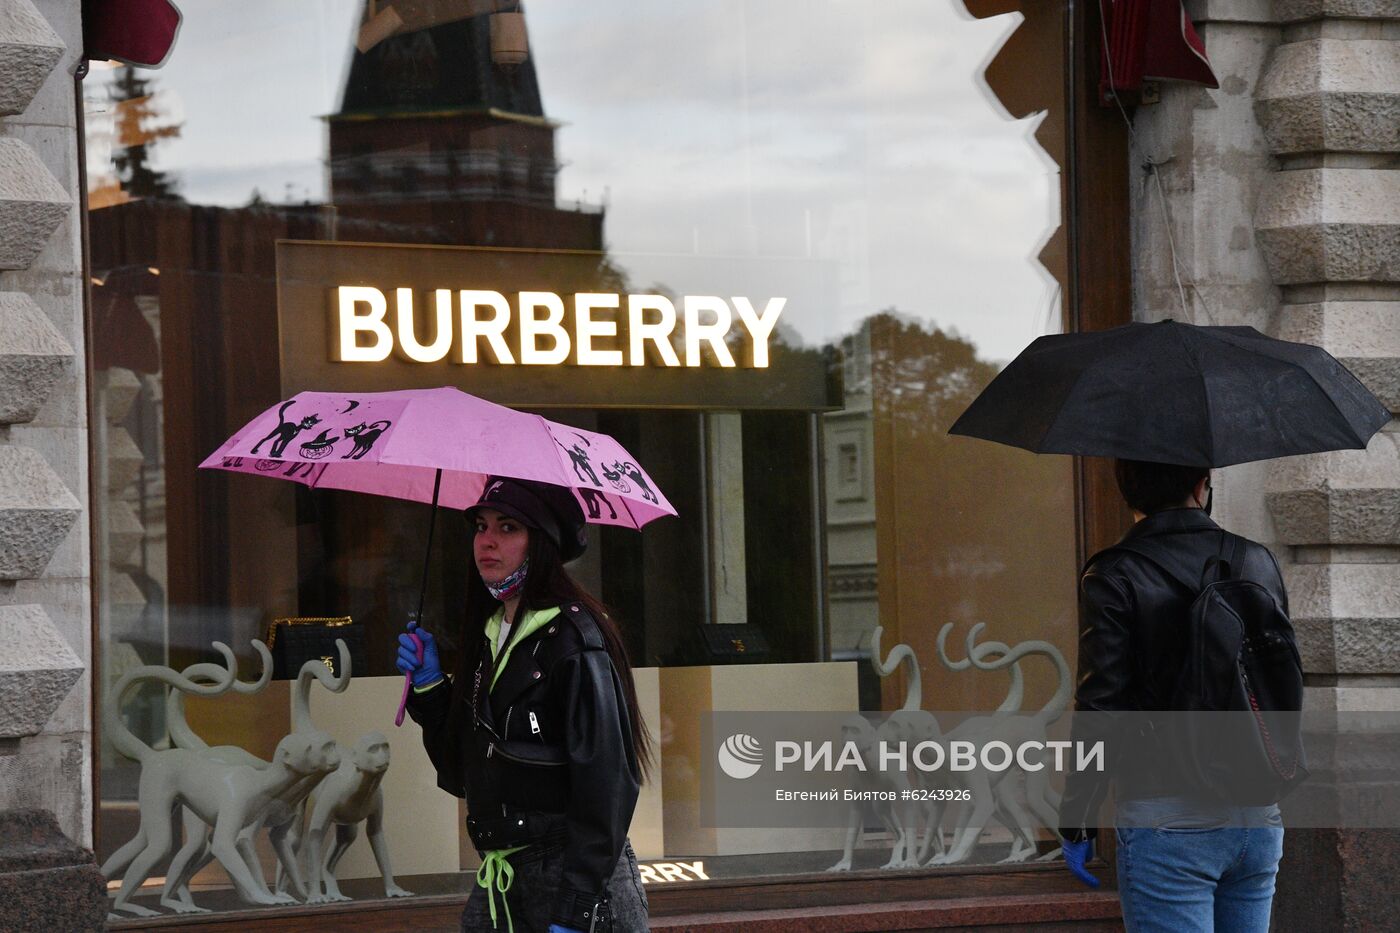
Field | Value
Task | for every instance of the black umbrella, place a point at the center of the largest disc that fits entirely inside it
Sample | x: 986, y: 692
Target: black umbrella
x: 1174, y: 393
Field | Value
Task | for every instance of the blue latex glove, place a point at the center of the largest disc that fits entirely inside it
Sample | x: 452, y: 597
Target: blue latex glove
x: 1076, y: 854
x: 556, y: 928
x: 429, y: 670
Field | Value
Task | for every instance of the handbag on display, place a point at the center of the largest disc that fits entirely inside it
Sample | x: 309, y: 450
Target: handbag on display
x: 294, y: 640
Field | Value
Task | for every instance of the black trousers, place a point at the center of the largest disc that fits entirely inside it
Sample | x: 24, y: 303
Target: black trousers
x: 531, y: 895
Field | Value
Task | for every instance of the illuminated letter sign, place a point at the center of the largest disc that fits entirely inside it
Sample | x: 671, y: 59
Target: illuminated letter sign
x: 442, y: 332
x: 586, y: 327
x: 658, y: 332
x: 492, y: 329
x: 351, y: 325
x: 539, y: 328
x: 533, y: 327
x: 540, y: 325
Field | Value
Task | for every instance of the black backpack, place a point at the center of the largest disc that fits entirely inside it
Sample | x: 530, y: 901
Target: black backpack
x: 1235, y: 729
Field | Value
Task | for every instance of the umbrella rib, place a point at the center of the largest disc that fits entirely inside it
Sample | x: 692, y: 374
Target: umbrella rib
x: 1205, y: 393
x: 623, y: 500
x: 1054, y: 422
x: 1295, y: 364
x: 1333, y: 402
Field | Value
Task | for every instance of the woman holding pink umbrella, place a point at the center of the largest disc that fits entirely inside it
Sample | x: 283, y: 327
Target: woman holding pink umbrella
x: 538, y: 727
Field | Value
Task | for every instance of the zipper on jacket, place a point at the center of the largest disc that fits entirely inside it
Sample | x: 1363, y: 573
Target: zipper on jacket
x: 534, y: 724
x: 506, y: 730
x: 528, y: 761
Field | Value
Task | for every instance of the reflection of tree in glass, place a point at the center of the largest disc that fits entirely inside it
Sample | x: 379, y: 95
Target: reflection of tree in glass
x: 966, y: 531
x: 918, y: 374
x: 138, y: 126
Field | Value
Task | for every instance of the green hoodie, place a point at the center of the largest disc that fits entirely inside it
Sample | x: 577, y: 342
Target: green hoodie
x: 534, y: 620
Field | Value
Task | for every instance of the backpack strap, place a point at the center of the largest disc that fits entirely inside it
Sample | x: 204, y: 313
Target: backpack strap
x: 1228, y: 568
x: 1215, y: 568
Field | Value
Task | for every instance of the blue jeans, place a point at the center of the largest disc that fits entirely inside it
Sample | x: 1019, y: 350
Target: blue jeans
x: 1184, y: 868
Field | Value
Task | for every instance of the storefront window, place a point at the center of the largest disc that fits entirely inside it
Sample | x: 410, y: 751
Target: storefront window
x: 844, y: 160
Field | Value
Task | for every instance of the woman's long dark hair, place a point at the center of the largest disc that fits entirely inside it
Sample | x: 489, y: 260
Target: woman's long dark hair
x: 547, y: 585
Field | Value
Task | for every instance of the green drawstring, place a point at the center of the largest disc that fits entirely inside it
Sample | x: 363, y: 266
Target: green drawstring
x: 495, y: 874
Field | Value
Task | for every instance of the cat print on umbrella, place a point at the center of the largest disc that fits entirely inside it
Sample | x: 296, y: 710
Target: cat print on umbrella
x: 592, y: 497
x: 629, y: 469
x: 583, y: 466
x: 364, y: 435
x: 623, y: 470
x: 286, y: 431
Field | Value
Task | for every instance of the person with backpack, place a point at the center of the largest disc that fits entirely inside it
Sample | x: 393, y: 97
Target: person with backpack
x: 1183, y: 616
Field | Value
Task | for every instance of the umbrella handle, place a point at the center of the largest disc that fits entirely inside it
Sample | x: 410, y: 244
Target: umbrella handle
x: 408, y: 682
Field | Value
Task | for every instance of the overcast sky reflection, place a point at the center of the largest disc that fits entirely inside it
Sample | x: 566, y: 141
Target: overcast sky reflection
x: 843, y: 154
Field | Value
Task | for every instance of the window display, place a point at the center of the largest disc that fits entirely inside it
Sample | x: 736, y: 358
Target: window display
x: 747, y: 264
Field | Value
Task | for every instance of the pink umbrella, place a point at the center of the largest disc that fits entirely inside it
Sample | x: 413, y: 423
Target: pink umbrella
x: 437, y: 446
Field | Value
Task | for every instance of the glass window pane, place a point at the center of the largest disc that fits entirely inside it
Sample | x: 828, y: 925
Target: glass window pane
x: 813, y: 236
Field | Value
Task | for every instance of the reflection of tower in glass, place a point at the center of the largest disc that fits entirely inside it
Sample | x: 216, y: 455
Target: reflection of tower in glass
x: 437, y: 143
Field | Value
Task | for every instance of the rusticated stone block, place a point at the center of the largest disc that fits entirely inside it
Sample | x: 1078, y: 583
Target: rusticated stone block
x: 32, y: 204
x: 1294, y: 11
x: 1347, y: 616
x: 119, y: 389
x: 124, y: 531
x: 123, y: 459
x: 1332, y: 95
x: 127, y: 615
x: 33, y: 356
x: 1342, y: 497
x: 1363, y: 335
x: 1331, y: 225
x: 47, y: 882
x: 1380, y: 375
x: 29, y: 50
x: 123, y: 592
x: 37, y: 669
x: 36, y: 511
x: 1349, y: 516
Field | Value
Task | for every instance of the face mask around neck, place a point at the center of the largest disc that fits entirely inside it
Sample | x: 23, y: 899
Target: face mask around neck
x: 511, y: 585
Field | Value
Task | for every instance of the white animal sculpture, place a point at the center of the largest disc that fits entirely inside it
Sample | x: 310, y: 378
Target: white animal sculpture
x: 282, y: 814
x: 986, y: 787
x: 1037, y: 785
x: 226, y: 796
x: 176, y: 894
x: 911, y: 725
x: 345, y: 799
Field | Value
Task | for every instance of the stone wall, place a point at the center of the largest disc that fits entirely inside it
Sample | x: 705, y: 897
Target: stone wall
x: 1329, y: 227
x: 45, y: 611
x: 1281, y: 193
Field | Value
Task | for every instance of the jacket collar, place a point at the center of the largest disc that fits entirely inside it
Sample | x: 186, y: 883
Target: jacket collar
x: 1171, y: 521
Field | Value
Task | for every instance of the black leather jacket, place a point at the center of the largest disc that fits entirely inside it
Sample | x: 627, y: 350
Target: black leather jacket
x: 548, y: 756
x: 1130, y: 647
